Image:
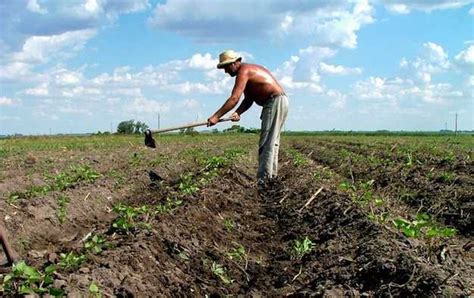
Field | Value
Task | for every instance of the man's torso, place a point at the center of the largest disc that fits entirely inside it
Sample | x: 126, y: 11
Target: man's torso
x: 261, y: 84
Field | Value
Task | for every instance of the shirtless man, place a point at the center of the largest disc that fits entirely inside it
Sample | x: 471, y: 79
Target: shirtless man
x: 258, y: 85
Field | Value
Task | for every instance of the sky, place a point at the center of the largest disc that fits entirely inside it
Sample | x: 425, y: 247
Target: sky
x: 85, y: 66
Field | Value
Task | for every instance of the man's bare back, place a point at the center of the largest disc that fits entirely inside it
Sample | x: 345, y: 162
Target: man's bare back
x: 261, y: 84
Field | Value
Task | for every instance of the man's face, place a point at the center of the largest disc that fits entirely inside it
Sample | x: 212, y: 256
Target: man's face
x: 231, y: 69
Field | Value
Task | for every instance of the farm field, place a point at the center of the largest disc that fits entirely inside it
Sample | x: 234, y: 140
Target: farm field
x: 350, y: 215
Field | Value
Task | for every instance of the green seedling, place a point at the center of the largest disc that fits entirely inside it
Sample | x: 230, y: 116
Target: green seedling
x: 168, y: 207
x: 299, y: 159
x: 96, y: 244
x: 94, y: 290
x: 187, y: 185
x: 128, y: 217
x: 423, y: 225
x: 220, y: 271
x: 136, y: 159
x: 447, y: 177
x: 63, y: 202
x: 71, y: 261
x: 237, y: 253
x: 229, y: 224
x: 347, y: 186
x: 302, y: 247
x: 26, y: 280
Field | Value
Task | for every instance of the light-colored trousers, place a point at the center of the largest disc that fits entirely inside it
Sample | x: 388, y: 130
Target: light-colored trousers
x: 273, y: 117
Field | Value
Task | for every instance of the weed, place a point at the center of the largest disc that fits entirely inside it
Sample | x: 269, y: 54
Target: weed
x: 447, y: 177
x: 63, y: 202
x: 127, y: 219
x: 26, y: 280
x: 423, y: 225
x: 299, y: 159
x: 94, y: 290
x: 238, y: 253
x: 169, y: 206
x: 187, y: 185
x: 229, y: 224
x: 71, y: 261
x: 301, y: 247
x: 96, y: 244
x: 220, y: 271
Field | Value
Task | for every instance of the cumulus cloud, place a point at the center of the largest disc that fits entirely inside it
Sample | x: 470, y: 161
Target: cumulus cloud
x: 338, y: 69
x: 23, y: 19
x: 465, y: 59
x: 432, y: 59
x: 324, y: 22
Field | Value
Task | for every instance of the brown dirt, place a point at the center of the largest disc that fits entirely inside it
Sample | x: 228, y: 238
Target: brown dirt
x: 352, y: 255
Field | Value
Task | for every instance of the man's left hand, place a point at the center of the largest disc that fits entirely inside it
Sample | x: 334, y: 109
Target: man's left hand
x: 212, y: 120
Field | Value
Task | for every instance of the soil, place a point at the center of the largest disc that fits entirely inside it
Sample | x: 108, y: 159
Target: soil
x: 352, y: 255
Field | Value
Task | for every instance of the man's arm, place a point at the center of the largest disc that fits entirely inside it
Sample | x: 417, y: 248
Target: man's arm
x: 244, y: 106
x: 233, y: 100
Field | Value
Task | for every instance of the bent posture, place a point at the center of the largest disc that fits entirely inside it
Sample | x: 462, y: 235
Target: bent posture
x: 257, y: 85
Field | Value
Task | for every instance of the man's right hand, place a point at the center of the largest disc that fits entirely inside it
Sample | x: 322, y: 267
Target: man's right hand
x: 211, y: 121
x: 235, y: 117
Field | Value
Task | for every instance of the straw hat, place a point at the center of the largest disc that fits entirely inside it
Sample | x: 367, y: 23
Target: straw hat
x: 227, y: 57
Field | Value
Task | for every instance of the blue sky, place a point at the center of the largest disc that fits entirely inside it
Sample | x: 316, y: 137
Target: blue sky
x: 85, y: 66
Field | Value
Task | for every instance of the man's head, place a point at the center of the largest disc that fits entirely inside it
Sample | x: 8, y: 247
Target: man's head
x: 230, y: 62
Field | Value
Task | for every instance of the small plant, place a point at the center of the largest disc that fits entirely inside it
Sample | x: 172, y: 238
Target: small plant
x: 169, y: 206
x: 447, y: 177
x: 238, y: 253
x: 423, y: 225
x: 71, y: 261
x: 63, y: 202
x: 128, y: 217
x: 302, y: 247
x: 298, y: 159
x: 220, y: 271
x: 94, y: 290
x: 187, y: 185
x: 96, y: 244
x: 229, y: 224
x: 27, y: 280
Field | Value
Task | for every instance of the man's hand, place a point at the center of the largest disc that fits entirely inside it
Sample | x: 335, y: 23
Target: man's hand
x: 235, y: 117
x: 211, y: 121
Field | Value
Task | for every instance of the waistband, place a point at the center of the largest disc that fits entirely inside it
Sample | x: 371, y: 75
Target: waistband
x: 275, y: 95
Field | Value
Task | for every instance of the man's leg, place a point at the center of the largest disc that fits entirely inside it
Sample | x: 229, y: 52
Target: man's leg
x: 282, y: 107
x: 273, y: 116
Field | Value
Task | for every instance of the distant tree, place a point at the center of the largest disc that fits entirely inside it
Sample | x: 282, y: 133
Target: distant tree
x: 129, y: 127
x: 126, y: 127
x: 140, y: 127
x: 235, y: 128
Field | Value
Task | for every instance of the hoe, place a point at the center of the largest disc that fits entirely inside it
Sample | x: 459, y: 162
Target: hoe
x: 9, y: 253
x: 150, y: 142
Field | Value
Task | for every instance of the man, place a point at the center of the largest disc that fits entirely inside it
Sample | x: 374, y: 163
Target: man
x: 258, y: 85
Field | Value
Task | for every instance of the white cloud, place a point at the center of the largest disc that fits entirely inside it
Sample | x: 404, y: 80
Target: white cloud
x: 33, y: 6
x: 431, y: 60
x: 466, y: 58
x: 406, y: 6
x: 471, y: 11
x: 145, y: 106
x: 5, y: 101
x: 41, y: 49
x: 189, y: 104
x: 338, y: 69
x: 323, y: 22
x: 41, y: 90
